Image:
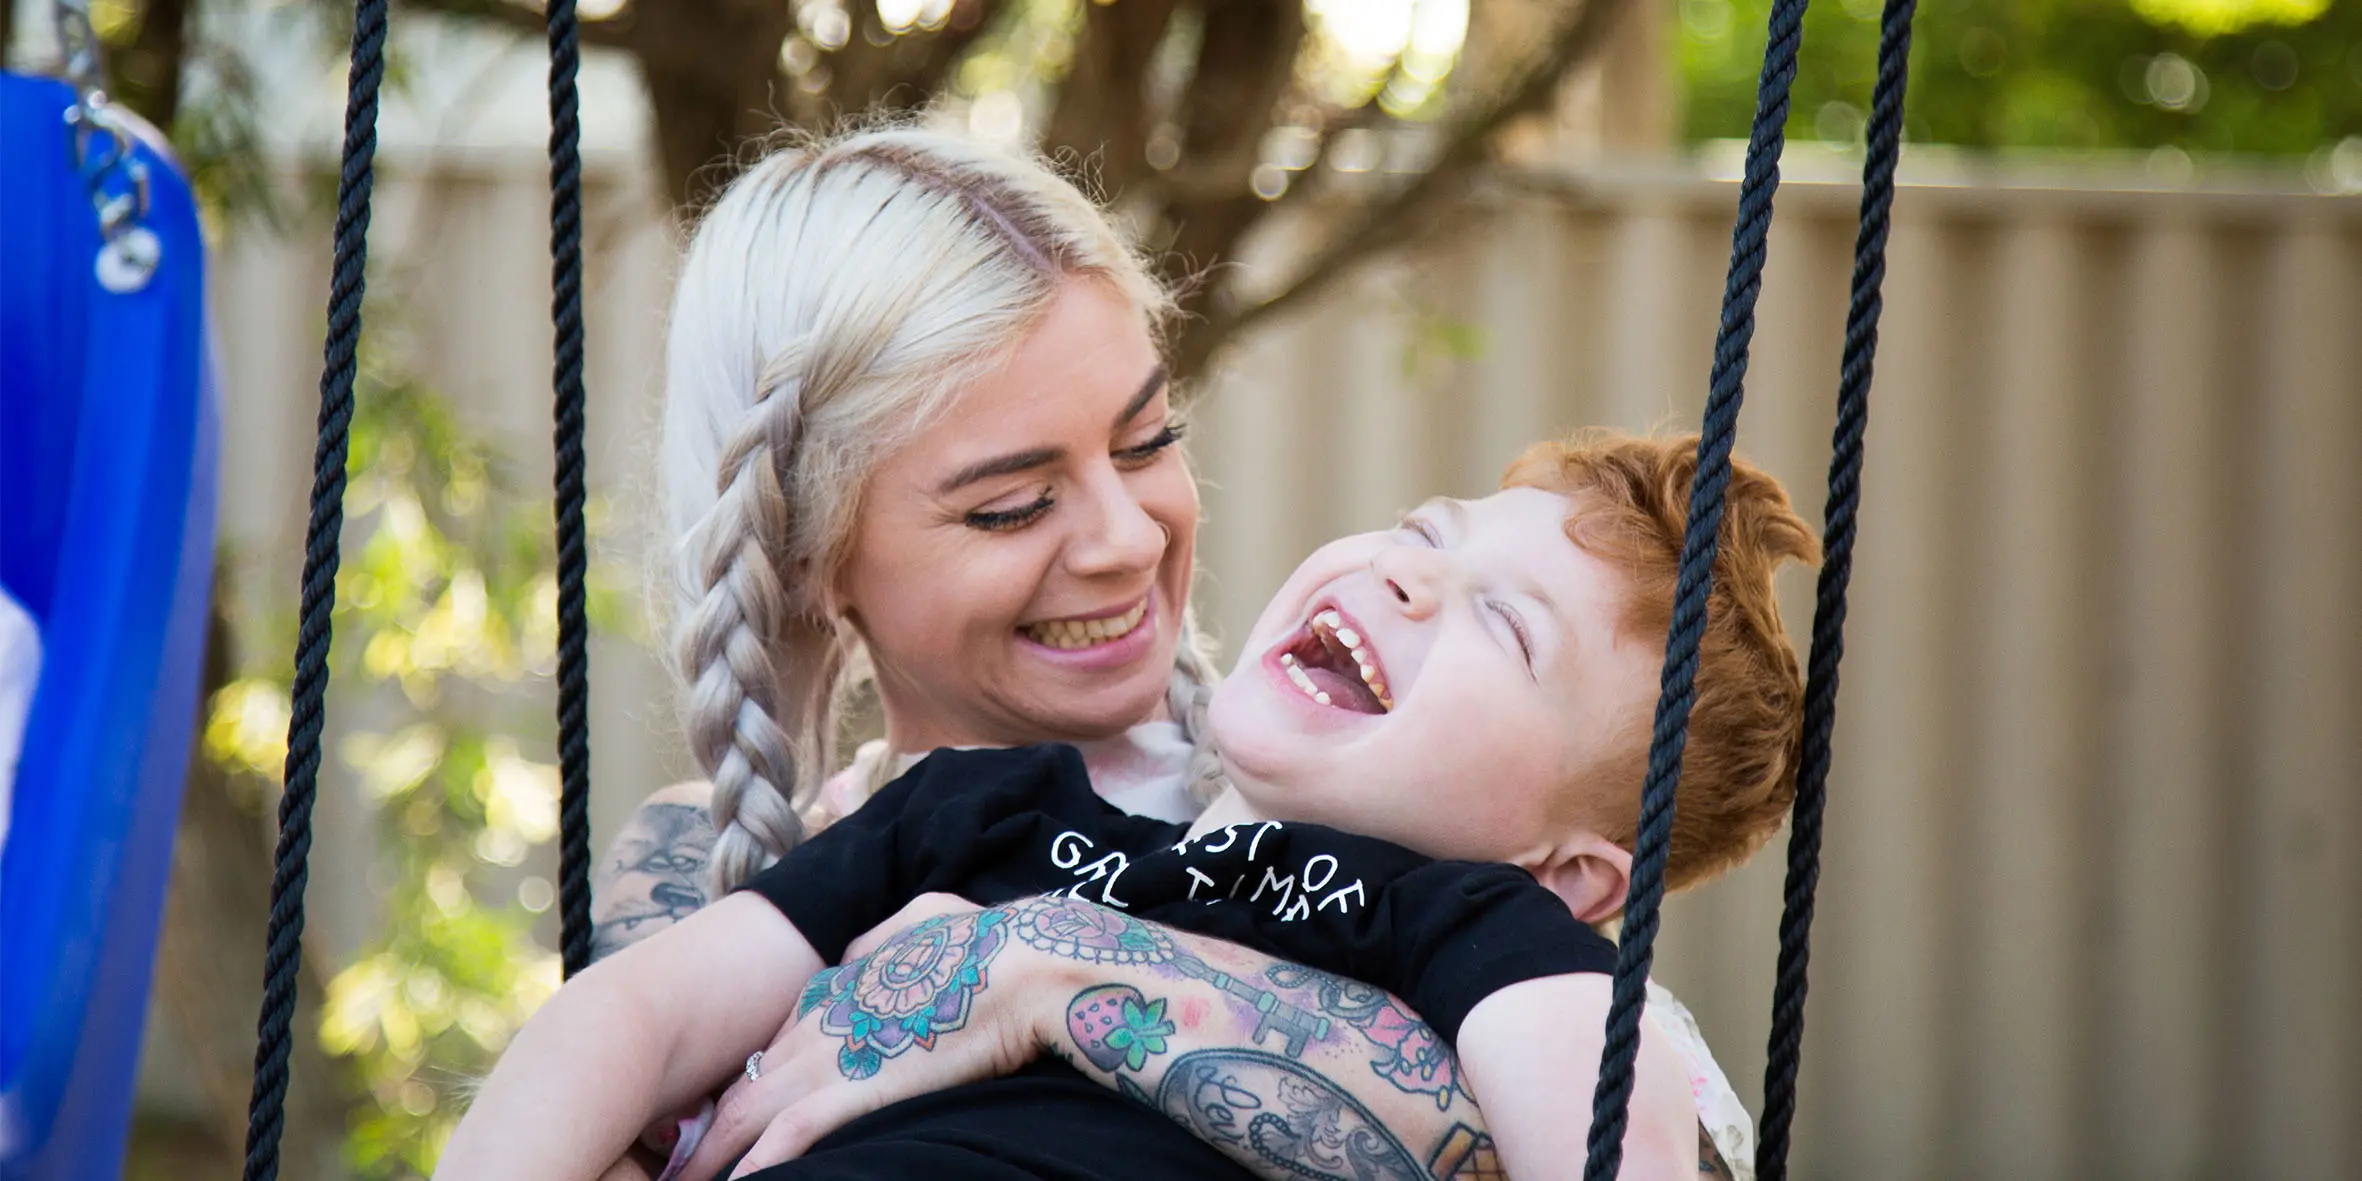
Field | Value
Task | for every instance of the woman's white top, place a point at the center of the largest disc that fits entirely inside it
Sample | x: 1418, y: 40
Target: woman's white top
x: 1143, y: 772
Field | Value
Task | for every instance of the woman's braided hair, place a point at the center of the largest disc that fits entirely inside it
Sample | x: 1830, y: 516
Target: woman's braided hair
x: 832, y: 304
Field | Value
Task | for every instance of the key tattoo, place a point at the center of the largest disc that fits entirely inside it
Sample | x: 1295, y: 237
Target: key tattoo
x: 1075, y: 929
x: 1407, y: 1052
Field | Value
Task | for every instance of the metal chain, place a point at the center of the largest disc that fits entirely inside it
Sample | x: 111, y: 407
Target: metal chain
x: 106, y: 158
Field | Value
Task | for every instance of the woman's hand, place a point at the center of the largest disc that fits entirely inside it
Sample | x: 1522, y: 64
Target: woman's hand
x: 940, y: 959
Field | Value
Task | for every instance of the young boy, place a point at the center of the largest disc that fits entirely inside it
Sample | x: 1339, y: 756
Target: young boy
x: 1468, y: 692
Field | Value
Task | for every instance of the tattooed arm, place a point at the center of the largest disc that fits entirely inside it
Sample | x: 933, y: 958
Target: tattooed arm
x: 1294, y: 1073
x: 653, y: 876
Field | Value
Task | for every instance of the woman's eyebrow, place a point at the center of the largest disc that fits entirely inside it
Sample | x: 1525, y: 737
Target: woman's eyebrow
x: 1000, y: 465
x: 1156, y: 381
x: 1033, y: 457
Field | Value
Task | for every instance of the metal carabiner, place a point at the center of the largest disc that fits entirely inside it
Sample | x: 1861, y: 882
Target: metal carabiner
x: 107, y: 159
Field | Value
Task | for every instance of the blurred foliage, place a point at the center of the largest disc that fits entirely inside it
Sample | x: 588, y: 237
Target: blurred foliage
x: 445, y: 616
x: 2259, y: 76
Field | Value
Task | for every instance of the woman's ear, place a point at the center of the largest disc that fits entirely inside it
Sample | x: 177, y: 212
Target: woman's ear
x: 826, y: 600
x: 1591, y: 874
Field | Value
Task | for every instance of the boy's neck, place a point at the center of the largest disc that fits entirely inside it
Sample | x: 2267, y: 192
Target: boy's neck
x: 1227, y: 808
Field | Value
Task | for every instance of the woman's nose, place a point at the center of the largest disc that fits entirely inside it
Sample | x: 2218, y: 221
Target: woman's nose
x: 1119, y: 536
x: 1412, y: 578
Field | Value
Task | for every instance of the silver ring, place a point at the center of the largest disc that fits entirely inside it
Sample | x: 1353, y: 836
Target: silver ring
x: 754, y: 1066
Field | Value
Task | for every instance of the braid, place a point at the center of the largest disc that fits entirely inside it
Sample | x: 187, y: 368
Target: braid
x: 1194, y: 676
x: 727, y: 652
x: 835, y: 302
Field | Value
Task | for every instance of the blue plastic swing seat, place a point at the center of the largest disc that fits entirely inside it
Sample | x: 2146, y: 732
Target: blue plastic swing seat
x: 107, y: 470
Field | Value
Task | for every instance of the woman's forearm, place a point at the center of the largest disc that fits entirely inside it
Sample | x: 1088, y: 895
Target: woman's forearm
x: 567, y: 1098
x: 1283, y: 1068
x: 632, y: 1039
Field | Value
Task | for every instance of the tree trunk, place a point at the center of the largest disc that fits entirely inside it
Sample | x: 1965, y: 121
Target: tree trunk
x: 1102, y: 116
x: 148, y: 71
x: 1244, y: 64
x: 713, y: 78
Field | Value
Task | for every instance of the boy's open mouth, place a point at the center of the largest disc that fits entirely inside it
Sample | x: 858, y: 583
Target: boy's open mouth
x: 1337, y: 666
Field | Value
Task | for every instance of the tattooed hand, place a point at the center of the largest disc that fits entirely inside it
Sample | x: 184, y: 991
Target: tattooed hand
x: 1294, y: 1074
x: 654, y: 874
x: 899, y: 1022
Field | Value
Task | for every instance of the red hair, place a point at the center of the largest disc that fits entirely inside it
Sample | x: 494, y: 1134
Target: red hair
x: 1738, y: 775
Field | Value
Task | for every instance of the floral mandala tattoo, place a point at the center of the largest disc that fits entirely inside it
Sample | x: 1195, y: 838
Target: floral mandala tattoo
x: 1082, y: 931
x: 918, y: 986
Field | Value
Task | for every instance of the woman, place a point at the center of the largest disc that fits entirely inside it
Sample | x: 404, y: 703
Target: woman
x: 915, y: 421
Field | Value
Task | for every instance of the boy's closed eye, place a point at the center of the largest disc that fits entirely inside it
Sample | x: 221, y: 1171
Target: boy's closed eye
x: 1516, y: 633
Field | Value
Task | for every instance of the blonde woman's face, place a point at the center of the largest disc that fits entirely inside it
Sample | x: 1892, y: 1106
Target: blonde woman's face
x: 1019, y: 571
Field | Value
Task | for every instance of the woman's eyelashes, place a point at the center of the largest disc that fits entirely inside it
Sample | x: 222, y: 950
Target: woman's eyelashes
x: 1164, y: 438
x: 1420, y: 529
x: 1127, y: 458
x: 1003, y: 520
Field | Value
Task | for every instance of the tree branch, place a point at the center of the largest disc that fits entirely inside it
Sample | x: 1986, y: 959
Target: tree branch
x: 1390, y: 220
x: 614, y: 32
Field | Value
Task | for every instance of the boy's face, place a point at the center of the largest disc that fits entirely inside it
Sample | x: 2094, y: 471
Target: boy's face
x: 1472, y: 671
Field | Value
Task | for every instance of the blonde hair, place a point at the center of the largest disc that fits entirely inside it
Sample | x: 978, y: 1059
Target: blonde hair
x: 833, y: 302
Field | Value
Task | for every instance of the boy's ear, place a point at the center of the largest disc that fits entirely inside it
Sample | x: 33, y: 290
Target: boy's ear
x: 1591, y: 873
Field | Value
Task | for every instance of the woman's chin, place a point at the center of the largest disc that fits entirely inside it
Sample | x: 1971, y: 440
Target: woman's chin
x: 1116, y: 708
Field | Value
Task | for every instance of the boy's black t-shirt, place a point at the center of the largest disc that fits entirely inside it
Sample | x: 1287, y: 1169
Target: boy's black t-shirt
x: 995, y: 826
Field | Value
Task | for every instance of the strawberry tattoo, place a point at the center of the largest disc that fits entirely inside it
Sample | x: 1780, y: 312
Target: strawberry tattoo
x: 1115, y: 1026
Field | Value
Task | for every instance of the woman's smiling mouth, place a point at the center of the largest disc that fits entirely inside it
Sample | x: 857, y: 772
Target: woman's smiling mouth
x: 1070, y: 634
x: 1335, y: 665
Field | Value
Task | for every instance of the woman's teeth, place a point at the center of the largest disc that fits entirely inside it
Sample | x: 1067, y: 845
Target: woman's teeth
x: 1084, y: 633
x: 1330, y: 625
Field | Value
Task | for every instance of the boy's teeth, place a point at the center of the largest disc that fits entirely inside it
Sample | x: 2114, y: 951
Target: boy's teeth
x: 1296, y: 674
x: 1083, y: 633
x: 1334, y: 624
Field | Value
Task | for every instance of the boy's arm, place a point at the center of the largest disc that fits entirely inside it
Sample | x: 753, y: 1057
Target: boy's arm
x: 653, y: 1027
x: 1533, y: 1049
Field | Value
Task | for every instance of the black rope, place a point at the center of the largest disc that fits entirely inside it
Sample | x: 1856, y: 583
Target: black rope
x: 310, y: 711
x: 565, y: 247
x: 1611, y: 1101
x: 1884, y: 144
